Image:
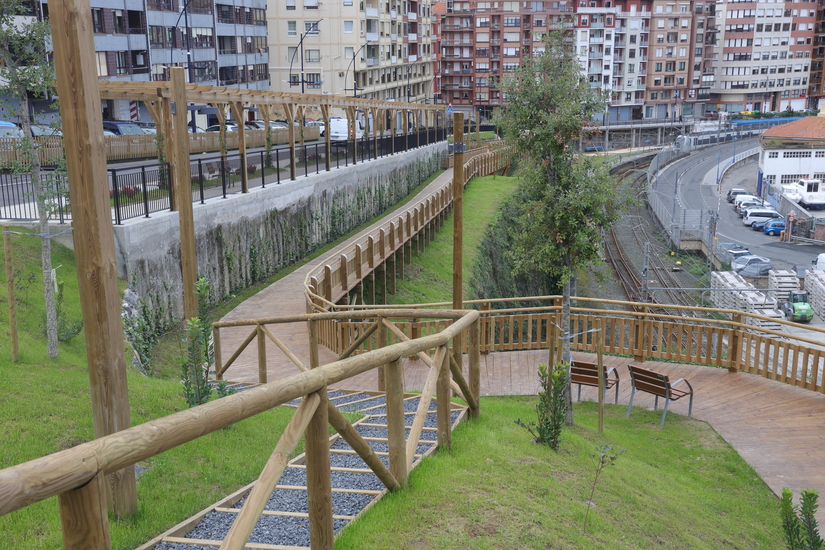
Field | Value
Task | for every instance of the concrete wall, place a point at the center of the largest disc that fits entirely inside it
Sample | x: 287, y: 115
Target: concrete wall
x: 245, y: 238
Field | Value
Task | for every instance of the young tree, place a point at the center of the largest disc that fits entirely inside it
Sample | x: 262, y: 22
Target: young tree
x: 25, y: 72
x: 567, y: 198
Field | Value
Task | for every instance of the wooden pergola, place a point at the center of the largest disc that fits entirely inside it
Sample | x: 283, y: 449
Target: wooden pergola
x: 80, y: 92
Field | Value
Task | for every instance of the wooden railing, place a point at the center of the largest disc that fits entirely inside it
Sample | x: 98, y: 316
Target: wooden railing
x: 77, y: 475
x: 133, y: 147
x: 392, y: 243
x: 736, y: 343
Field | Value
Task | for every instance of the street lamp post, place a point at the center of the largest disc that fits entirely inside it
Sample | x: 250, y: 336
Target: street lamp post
x: 354, y: 73
x: 311, y: 29
x: 718, y: 162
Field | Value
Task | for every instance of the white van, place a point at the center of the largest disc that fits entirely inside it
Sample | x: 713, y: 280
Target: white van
x: 739, y: 199
x: 759, y: 214
x: 339, y: 129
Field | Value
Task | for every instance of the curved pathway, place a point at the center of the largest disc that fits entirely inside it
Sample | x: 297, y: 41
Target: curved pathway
x: 778, y: 429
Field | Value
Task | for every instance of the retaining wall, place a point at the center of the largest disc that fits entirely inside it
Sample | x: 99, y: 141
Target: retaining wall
x: 247, y: 237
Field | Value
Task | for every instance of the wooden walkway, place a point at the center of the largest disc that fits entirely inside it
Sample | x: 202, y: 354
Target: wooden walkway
x: 776, y: 428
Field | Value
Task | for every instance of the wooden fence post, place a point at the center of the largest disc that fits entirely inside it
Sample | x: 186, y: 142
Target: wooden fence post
x: 640, y: 336
x: 10, y: 293
x: 380, y: 342
x: 475, y: 366
x: 485, y: 328
x: 216, y: 346
x: 443, y: 393
x: 319, y: 483
x: 396, y: 432
x: 261, y: 354
x: 735, y: 346
x: 83, y: 516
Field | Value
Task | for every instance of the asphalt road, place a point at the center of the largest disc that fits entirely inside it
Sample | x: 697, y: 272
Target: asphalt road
x: 693, y: 195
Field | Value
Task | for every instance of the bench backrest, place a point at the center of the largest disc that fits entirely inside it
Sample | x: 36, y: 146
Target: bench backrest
x: 649, y: 381
x: 582, y: 372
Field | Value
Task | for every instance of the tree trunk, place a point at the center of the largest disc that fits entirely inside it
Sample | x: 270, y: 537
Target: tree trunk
x: 565, y: 349
x: 32, y: 157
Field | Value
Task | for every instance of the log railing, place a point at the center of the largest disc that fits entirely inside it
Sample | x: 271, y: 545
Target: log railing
x: 367, y: 269
x: 738, y: 343
x: 77, y: 475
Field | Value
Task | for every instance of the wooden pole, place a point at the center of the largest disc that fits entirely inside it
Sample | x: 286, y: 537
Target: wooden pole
x: 396, y: 432
x: 15, y: 352
x: 327, y: 145
x: 380, y: 342
x: 261, y: 354
x: 458, y: 223
x: 319, y: 483
x: 237, y: 112
x: 600, y: 364
x: 475, y: 366
x: 289, y: 112
x: 77, y: 81
x: 442, y: 402
x: 83, y: 517
x: 182, y: 182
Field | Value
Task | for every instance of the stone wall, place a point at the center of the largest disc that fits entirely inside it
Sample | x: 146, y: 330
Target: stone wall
x: 247, y: 237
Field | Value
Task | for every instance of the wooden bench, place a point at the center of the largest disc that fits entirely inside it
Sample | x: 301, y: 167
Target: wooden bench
x: 587, y: 374
x: 659, y: 385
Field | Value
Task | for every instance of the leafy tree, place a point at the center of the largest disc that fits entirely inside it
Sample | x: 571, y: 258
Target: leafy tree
x: 24, y: 73
x: 567, y: 198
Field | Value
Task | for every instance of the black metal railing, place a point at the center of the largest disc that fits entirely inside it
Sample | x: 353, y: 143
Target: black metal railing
x: 141, y: 190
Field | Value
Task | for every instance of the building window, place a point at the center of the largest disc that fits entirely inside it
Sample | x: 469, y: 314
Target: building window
x: 820, y: 154
x: 102, y: 64
x: 313, y: 80
x: 290, y: 4
x: 773, y: 154
x: 348, y: 26
x: 311, y: 27
x: 292, y: 28
x: 312, y: 56
x: 122, y: 62
x: 796, y: 154
x: 119, y: 22
x: 98, y: 23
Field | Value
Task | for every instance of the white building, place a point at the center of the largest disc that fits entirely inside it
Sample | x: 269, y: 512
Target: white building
x: 790, y: 152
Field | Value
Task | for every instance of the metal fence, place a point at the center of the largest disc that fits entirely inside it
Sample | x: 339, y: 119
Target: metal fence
x: 139, y: 191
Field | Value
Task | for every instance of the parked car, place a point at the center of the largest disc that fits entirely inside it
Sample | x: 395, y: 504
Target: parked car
x: 10, y: 130
x: 40, y: 130
x: 759, y: 225
x: 217, y: 128
x: 739, y: 199
x: 775, y: 227
x: 123, y: 128
x: 744, y: 261
x: 758, y: 214
x: 756, y: 270
x: 733, y: 193
x: 197, y: 130
x: 255, y: 124
x: 732, y: 246
x: 747, y: 205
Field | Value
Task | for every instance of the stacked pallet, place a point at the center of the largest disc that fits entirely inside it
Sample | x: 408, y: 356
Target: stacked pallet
x: 815, y: 285
x: 782, y: 282
x: 726, y: 299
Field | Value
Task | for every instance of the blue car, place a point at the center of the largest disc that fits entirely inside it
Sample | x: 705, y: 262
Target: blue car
x: 760, y: 225
x: 774, y: 227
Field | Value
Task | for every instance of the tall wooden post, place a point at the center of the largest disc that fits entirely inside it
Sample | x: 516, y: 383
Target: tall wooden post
x: 237, y: 113
x: 600, y: 363
x: 15, y: 353
x: 475, y: 365
x: 444, y: 421
x: 74, y: 60
x: 182, y: 186
x: 327, y: 145
x: 458, y: 223
x: 319, y: 483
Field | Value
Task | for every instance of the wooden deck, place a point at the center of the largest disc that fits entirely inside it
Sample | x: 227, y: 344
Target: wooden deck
x: 777, y: 428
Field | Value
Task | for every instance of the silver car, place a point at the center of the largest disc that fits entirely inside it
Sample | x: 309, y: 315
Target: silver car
x: 744, y: 261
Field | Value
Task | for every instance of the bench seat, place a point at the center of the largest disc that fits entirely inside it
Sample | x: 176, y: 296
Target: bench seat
x: 657, y: 384
x: 584, y: 373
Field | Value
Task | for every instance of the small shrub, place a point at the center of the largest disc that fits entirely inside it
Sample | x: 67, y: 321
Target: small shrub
x: 251, y: 169
x: 551, y: 408
x: 128, y: 192
x: 799, y: 522
x: 606, y: 457
x: 66, y: 330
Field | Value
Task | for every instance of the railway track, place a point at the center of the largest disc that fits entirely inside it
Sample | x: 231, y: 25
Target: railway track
x: 626, y: 255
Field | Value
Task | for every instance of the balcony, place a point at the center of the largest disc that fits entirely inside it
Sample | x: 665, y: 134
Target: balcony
x: 526, y: 42
x: 495, y: 41
x: 393, y: 14
x: 619, y: 44
x: 372, y: 37
x: 645, y: 14
x: 620, y: 30
x: 412, y: 37
x: 372, y: 62
x: 595, y: 55
x: 372, y: 12
x: 412, y: 16
x: 596, y: 25
x: 393, y: 37
x: 413, y: 58
x: 597, y: 40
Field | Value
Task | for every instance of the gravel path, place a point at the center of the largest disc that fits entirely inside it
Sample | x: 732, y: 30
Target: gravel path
x: 294, y: 531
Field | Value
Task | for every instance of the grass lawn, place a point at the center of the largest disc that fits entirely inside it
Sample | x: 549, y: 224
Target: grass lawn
x: 429, y: 279
x: 677, y: 486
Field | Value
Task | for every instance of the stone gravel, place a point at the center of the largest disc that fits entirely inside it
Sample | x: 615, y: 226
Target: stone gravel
x: 340, y: 480
x: 288, y: 500
x: 379, y: 447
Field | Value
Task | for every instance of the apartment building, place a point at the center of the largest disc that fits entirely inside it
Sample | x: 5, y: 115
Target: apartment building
x: 139, y: 40
x: 357, y: 48
x: 766, y: 55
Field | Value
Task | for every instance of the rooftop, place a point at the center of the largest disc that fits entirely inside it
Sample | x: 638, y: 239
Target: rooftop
x: 812, y: 127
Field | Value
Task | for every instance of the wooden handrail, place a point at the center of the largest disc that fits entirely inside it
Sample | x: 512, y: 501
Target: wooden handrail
x: 25, y: 484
